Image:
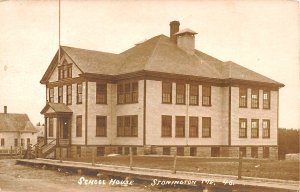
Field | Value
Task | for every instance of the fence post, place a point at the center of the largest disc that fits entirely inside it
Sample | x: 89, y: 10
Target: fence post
x: 174, y: 165
x: 130, y: 151
x: 240, y: 165
x: 93, y: 157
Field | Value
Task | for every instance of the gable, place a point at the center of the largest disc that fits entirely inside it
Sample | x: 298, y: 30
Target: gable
x: 65, y: 60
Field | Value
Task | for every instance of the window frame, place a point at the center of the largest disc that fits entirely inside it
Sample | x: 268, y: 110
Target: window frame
x: 128, y: 92
x: 79, y: 92
x: 120, y: 94
x: 166, y: 92
x: 127, y: 126
x: 196, y: 128
x: 204, y: 127
x: 180, y: 91
x: 166, y: 126
x: 101, y: 93
x: 254, y: 152
x: 241, y: 99
x: 243, y: 150
x: 79, y: 126
x: 101, y: 128
x: 253, y: 129
x: 268, y: 128
x: 267, y: 102
x: 51, y: 95
x: 192, y: 94
x: 135, y: 92
x: 253, y: 100
x: 241, y: 120
x: 179, y: 126
x: 69, y: 94
x: 69, y: 68
x: 60, y: 94
x: 204, y: 96
x: 100, y: 151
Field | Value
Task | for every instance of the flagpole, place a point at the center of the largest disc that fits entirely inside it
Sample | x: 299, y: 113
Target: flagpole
x: 58, y: 31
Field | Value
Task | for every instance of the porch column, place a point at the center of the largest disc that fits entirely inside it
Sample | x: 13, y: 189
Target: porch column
x: 70, y: 131
x: 57, y: 131
x: 46, y: 131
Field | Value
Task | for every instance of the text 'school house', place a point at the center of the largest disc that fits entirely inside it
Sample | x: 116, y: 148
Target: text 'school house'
x: 161, y: 96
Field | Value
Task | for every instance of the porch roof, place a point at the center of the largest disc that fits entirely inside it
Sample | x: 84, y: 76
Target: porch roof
x: 56, y: 108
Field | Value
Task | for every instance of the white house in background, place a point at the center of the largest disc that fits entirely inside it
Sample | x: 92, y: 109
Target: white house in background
x: 161, y: 96
x: 16, y: 131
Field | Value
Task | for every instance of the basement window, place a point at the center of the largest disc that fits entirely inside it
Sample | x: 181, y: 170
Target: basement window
x: 100, y: 151
x: 166, y: 151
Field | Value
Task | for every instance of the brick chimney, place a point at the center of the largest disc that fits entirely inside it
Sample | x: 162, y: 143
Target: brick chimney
x: 174, y: 28
x: 5, y: 109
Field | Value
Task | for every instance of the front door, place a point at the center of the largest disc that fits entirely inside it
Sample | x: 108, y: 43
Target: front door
x: 64, y: 128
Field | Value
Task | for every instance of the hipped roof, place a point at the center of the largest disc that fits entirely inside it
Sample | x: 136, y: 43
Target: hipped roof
x: 157, y: 54
x: 11, y: 122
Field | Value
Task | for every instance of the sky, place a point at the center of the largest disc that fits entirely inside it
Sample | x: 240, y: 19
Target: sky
x: 260, y: 35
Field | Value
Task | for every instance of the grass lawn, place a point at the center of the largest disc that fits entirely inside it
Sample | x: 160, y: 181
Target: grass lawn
x: 287, y: 170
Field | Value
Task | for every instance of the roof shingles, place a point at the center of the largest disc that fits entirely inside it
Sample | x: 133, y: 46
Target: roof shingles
x: 159, y: 54
x: 11, y: 122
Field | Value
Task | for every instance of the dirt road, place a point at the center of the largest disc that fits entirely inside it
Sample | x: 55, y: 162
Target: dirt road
x: 19, y: 178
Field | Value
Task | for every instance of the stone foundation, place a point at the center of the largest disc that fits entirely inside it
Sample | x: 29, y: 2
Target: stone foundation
x: 87, y: 152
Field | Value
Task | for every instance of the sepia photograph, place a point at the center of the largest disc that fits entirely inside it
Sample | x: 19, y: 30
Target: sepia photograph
x: 169, y: 96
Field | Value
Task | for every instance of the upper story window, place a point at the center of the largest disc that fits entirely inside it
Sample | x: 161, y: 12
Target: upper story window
x: 180, y: 93
x: 101, y: 93
x: 135, y: 92
x: 243, y: 128
x: 193, y: 131
x: 206, y: 127
x: 266, y: 99
x: 180, y: 126
x: 16, y: 143
x: 166, y: 92
x: 243, y: 97
x: 60, y: 95
x: 65, y: 71
x: 128, y: 93
x: 121, y: 99
x: 51, y: 95
x: 194, y: 94
x: 254, y: 98
x: 69, y: 94
x: 79, y: 93
x: 2, y: 142
x: 101, y: 124
x: 206, y: 95
x: 127, y: 126
x: 266, y: 128
x: 254, y: 128
x: 166, y: 126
